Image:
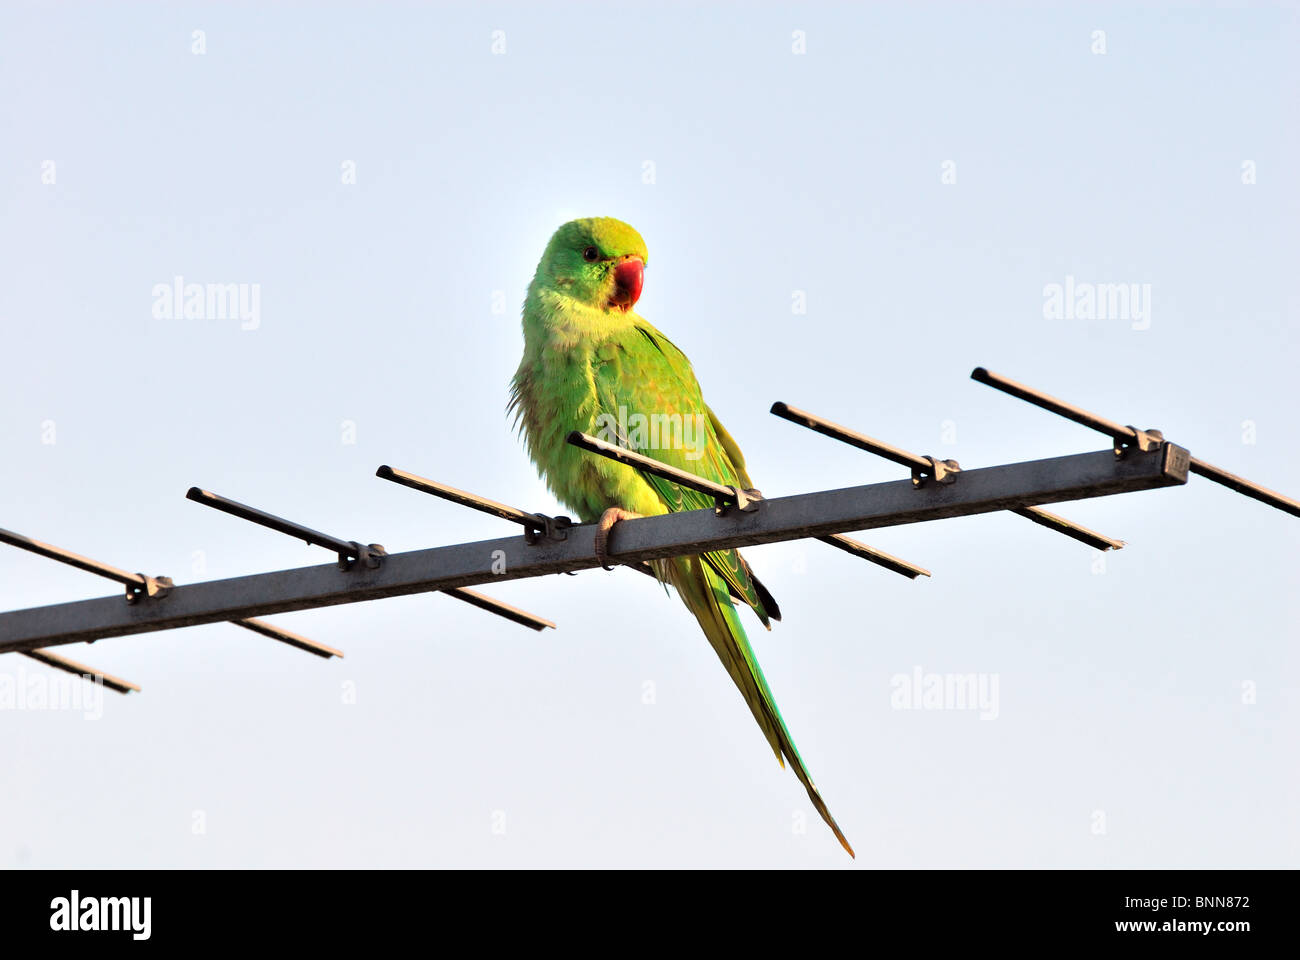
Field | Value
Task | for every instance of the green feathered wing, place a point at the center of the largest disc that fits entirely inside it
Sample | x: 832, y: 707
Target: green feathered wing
x: 642, y: 372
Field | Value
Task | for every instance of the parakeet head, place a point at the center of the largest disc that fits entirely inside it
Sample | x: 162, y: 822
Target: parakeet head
x: 598, y: 261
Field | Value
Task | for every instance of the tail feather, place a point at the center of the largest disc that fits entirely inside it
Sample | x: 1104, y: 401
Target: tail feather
x: 706, y: 595
x: 764, y: 595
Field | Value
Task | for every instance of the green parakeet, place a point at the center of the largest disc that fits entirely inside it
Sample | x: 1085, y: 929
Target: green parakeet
x: 591, y: 364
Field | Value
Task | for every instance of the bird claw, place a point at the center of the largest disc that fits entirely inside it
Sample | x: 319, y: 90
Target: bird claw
x: 607, y: 520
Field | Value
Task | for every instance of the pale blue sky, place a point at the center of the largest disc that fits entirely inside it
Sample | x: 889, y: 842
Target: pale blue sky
x: 1120, y: 691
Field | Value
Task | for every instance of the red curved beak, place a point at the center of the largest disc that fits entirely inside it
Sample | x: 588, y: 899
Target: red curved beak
x: 629, y: 275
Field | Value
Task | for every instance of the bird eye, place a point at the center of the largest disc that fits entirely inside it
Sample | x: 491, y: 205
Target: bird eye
x: 590, y: 254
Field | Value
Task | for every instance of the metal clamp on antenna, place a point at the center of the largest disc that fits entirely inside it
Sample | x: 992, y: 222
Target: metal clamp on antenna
x: 746, y: 501
x: 1143, y: 440
x: 349, y: 552
x: 371, y: 554
x: 552, y: 528
x: 149, y: 588
x: 940, y: 471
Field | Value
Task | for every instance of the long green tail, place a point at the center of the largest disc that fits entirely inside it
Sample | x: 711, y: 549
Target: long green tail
x: 706, y: 595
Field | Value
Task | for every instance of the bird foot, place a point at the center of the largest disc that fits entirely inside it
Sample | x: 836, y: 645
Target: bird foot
x: 607, y: 520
